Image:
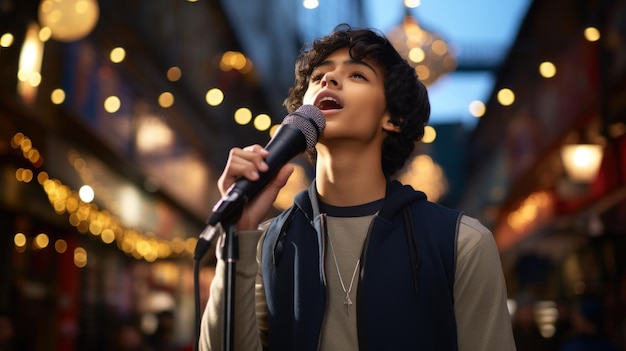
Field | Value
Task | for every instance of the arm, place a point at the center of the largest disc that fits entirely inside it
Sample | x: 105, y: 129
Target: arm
x: 483, y: 322
x: 246, y: 330
x: 247, y: 162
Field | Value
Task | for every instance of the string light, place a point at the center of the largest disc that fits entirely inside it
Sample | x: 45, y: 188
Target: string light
x: 89, y: 218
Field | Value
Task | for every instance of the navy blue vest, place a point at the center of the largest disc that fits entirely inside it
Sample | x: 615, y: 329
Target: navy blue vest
x: 405, y: 292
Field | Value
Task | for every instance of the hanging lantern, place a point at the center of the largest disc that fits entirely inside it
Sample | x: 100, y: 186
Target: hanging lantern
x: 427, y: 52
x: 69, y: 20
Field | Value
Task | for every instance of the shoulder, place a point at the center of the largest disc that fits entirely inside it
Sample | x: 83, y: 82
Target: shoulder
x: 473, y: 236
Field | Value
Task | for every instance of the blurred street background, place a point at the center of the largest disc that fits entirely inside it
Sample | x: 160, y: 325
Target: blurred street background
x: 116, y: 118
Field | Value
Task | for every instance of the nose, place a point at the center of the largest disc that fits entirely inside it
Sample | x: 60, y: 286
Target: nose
x: 329, y: 80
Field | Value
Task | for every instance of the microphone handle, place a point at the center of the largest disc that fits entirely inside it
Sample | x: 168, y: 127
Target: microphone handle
x: 287, y: 143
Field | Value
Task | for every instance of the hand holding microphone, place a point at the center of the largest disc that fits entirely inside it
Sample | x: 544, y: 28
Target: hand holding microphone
x: 251, y: 169
x: 249, y: 163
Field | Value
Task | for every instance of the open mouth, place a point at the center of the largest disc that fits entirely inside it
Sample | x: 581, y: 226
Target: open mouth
x: 328, y: 103
x: 328, y: 100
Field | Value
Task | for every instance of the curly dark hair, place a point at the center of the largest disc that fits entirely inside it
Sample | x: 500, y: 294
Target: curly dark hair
x: 406, y: 96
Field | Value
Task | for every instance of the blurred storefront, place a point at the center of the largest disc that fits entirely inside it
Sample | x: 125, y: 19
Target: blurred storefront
x: 562, y: 85
x: 109, y: 145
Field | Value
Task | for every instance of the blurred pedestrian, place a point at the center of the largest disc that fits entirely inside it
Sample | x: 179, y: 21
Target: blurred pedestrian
x: 163, y: 337
x: 129, y: 337
x: 588, y: 328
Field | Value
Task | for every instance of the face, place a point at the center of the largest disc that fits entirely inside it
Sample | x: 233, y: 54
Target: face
x: 351, y: 95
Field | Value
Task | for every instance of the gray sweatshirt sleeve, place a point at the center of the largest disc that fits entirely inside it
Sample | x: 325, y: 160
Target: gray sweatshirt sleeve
x: 246, y: 334
x: 480, y: 297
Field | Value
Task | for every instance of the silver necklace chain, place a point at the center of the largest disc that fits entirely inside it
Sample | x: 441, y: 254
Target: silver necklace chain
x: 347, y: 300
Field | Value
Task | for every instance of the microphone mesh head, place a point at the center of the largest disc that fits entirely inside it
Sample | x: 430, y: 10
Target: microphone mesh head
x: 310, y: 121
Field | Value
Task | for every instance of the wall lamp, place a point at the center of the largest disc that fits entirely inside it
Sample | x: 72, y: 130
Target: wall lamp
x: 582, y: 161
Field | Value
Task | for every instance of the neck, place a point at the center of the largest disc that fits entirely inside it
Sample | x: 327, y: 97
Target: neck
x: 349, y: 178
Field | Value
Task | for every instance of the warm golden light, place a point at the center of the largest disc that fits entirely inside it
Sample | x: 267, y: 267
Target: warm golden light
x: 416, y: 55
x: 214, y: 97
x: 25, y: 144
x: 153, y: 134
x: 87, y: 217
x: 262, y: 122
x: 247, y: 68
x: 57, y: 96
x: 243, y: 116
x: 86, y: 193
x: 19, y: 240
x: 174, y: 74
x: 297, y: 182
x: 273, y: 130
x: 423, y: 72
x: 60, y: 246
x: 547, y: 69
x: 439, y: 47
x: 33, y: 156
x: 233, y: 60
x: 107, y: 236
x: 422, y: 173
x: 44, y: 34
x: 536, y: 204
x: 427, y: 52
x: 582, y: 161
x: 69, y: 20
x: 117, y: 55
x: 6, y: 40
x: 477, y: 108
x: 41, y: 241
x: 80, y: 257
x: 112, y: 104
x: 430, y: 134
x: 29, y: 69
x: 166, y: 99
x: 24, y: 175
x: 17, y: 140
x: 42, y: 177
x: 506, y: 97
x: 592, y: 34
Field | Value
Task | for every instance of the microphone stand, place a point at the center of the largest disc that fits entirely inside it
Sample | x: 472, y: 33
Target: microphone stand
x: 230, y: 255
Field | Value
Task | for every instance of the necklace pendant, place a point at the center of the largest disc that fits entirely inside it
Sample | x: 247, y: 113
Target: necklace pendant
x: 347, y: 302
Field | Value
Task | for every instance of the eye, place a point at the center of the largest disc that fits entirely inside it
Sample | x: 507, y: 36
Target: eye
x: 358, y: 75
x: 316, y: 77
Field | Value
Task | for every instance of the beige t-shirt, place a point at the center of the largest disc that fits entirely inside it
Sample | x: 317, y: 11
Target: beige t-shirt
x: 482, y: 318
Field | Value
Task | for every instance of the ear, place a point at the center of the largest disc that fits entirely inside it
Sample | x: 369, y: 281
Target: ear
x: 389, y: 126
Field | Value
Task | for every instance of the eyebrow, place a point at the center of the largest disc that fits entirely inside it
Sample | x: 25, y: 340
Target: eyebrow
x: 351, y: 62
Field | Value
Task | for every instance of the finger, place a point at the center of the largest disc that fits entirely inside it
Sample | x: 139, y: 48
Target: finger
x: 243, y: 163
x: 254, y: 154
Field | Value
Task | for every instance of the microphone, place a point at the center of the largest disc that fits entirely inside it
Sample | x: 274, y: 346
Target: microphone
x: 298, y: 132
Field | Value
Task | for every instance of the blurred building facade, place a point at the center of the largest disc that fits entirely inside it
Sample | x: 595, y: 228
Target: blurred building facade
x: 139, y: 113
x: 560, y: 239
